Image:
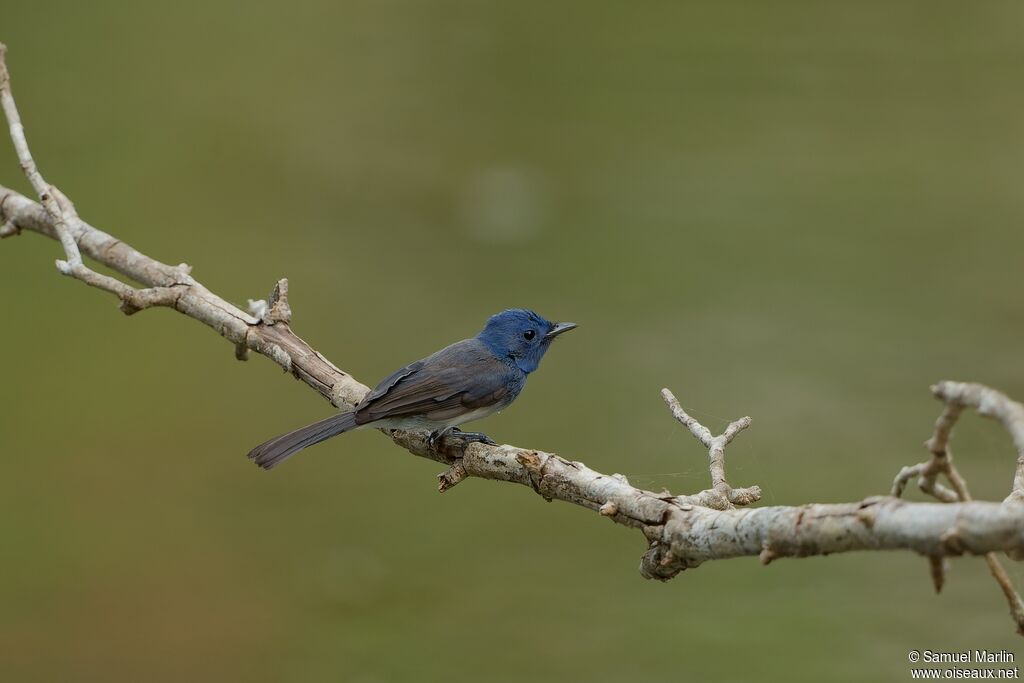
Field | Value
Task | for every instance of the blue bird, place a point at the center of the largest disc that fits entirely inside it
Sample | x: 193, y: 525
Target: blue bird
x: 466, y: 381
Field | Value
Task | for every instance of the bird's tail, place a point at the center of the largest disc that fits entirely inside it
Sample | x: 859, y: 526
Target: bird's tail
x: 271, y: 453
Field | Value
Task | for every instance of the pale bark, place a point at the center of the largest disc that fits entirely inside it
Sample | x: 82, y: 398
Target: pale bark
x: 681, y: 531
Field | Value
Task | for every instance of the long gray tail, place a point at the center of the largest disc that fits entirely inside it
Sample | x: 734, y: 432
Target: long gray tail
x: 271, y: 453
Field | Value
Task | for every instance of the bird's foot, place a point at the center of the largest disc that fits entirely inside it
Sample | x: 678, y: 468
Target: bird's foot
x: 443, y: 440
x: 472, y: 437
x: 437, y: 436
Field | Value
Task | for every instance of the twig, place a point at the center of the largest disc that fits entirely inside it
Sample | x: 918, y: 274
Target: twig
x: 990, y: 403
x: 65, y: 221
x: 720, y: 496
x: 938, y: 570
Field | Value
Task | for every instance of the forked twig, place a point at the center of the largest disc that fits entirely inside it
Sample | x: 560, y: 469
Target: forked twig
x: 991, y: 403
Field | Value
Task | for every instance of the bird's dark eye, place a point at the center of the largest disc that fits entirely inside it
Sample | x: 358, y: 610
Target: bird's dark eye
x: 529, y: 334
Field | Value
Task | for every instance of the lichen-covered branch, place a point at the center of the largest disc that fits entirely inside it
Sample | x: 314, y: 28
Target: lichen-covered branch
x: 682, y: 531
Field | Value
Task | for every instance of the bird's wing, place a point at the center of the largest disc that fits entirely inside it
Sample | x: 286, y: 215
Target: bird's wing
x: 390, y: 381
x: 456, y: 380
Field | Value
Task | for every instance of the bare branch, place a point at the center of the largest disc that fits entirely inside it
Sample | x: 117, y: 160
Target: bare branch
x: 64, y: 219
x: 682, y: 531
x: 720, y: 496
x: 28, y: 166
x: 991, y: 403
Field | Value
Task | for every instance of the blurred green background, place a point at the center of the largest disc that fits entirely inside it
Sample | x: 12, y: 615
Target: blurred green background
x: 802, y: 211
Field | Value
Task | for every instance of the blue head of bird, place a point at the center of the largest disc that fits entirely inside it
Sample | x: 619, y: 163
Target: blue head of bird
x: 521, y: 336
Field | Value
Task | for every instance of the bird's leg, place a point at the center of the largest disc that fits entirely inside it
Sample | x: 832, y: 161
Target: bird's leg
x: 470, y: 437
x: 440, y: 440
x: 437, y: 436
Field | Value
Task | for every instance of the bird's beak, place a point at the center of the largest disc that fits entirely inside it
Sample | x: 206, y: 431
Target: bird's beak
x: 558, y: 329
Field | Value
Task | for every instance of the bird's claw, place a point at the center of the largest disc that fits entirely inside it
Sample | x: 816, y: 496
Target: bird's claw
x: 436, y: 436
x: 439, y: 439
x: 476, y: 437
x: 473, y: 437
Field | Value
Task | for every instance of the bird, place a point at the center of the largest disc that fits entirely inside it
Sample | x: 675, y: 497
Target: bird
x: 465, y: 381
